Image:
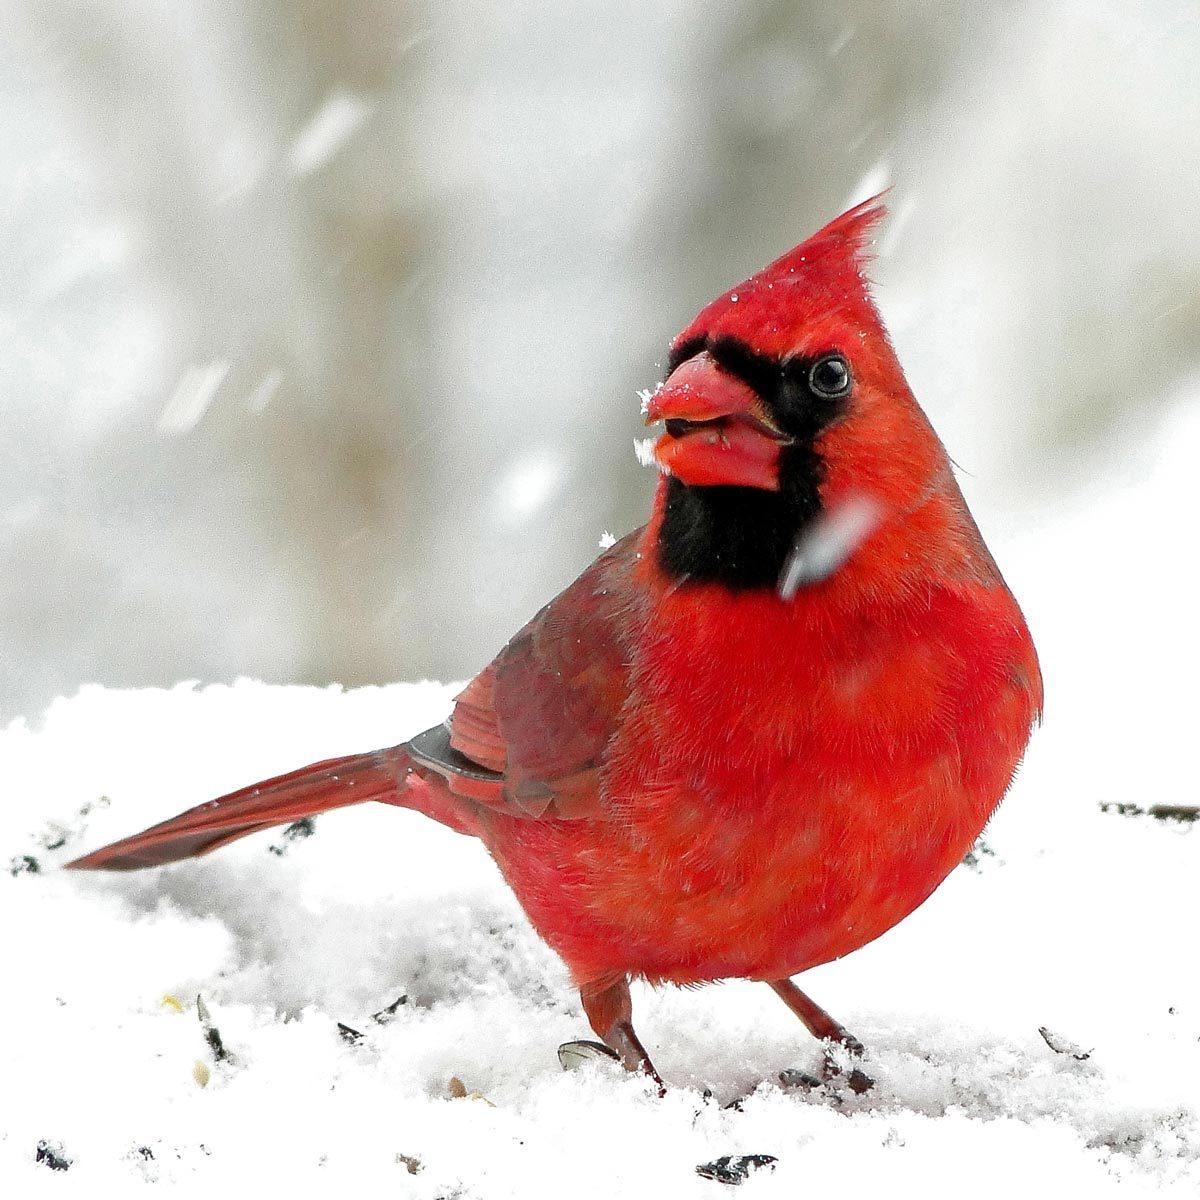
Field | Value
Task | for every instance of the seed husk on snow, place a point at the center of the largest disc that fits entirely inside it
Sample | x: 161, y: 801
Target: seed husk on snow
x: 1185, y: 813
x: 384, y: 1015
x: 51, y: 1154
x: 735, y: 1168
x: 212, y: 1035
x: 1061, y: 1045
x: 573, y: 1055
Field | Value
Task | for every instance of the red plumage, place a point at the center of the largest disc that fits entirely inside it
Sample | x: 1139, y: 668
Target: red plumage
x: 682, y: 775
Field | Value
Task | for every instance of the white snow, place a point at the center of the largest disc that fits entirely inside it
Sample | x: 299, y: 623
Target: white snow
x: 328, y: 130
x: 1074, y: 920
x: 192, y: 397
x: 827, y: 544
x: 643, y: 450
x: 533, y: 480
x: 264, y: 391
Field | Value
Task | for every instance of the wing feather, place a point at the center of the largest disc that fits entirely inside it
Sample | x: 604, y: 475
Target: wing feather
x: 542, y: 713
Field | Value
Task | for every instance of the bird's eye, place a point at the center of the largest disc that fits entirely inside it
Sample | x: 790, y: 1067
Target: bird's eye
x: 829, y: 377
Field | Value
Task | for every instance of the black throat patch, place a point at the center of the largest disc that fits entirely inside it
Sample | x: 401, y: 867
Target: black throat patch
x: 740, y: 536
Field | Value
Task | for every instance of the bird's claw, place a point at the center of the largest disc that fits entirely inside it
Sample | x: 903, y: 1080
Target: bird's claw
x: 832, y: 1076
x: 854, y: 1078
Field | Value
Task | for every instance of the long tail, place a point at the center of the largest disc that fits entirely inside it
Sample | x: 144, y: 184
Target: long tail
x: 334, y: 783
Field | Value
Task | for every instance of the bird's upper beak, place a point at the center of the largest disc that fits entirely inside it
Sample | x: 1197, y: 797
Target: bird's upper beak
x: 718, y: 430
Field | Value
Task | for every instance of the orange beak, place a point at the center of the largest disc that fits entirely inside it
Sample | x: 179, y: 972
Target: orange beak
x: 718, y: 431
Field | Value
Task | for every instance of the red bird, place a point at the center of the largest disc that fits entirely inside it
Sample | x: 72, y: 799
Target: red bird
x: 686, y: 769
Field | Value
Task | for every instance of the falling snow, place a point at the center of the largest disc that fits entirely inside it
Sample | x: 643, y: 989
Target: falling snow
x: 328, y: 130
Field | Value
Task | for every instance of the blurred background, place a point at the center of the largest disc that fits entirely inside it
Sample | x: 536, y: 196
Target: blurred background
x: 321, y: 325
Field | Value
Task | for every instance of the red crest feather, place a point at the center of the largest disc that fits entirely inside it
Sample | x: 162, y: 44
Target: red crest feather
x: 797, y: 297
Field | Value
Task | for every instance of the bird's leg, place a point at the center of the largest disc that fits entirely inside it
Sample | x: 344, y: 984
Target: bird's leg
x: 823, y: 1027
x: 816, y: 1020
x: 609, y: 1010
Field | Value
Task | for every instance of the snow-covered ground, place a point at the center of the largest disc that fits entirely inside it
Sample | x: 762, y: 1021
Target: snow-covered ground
x: 1074, y: 919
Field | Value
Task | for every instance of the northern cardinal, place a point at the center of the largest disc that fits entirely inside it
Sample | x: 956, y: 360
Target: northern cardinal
x: 686, y: 771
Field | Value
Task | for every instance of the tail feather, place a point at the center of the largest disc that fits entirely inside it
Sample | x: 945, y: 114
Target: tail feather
x: 334, y: 783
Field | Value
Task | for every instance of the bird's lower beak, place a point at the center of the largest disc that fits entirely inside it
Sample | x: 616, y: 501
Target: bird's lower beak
x: 718, y: 431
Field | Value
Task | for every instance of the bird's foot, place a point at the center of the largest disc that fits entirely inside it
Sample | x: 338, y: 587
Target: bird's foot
x: 633, y: 1054
x: 572, y: 1056
x: 610, y: 1013
x: 831, y: 1079
x: 833, y: 1033
x: 836, y: 1073
x: 855, y: 1079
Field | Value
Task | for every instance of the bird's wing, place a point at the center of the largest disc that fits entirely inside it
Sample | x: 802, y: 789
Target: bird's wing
x: 528, y: 732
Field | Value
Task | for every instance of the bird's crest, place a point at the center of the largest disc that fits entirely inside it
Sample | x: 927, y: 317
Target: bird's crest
x: 799, y: 294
